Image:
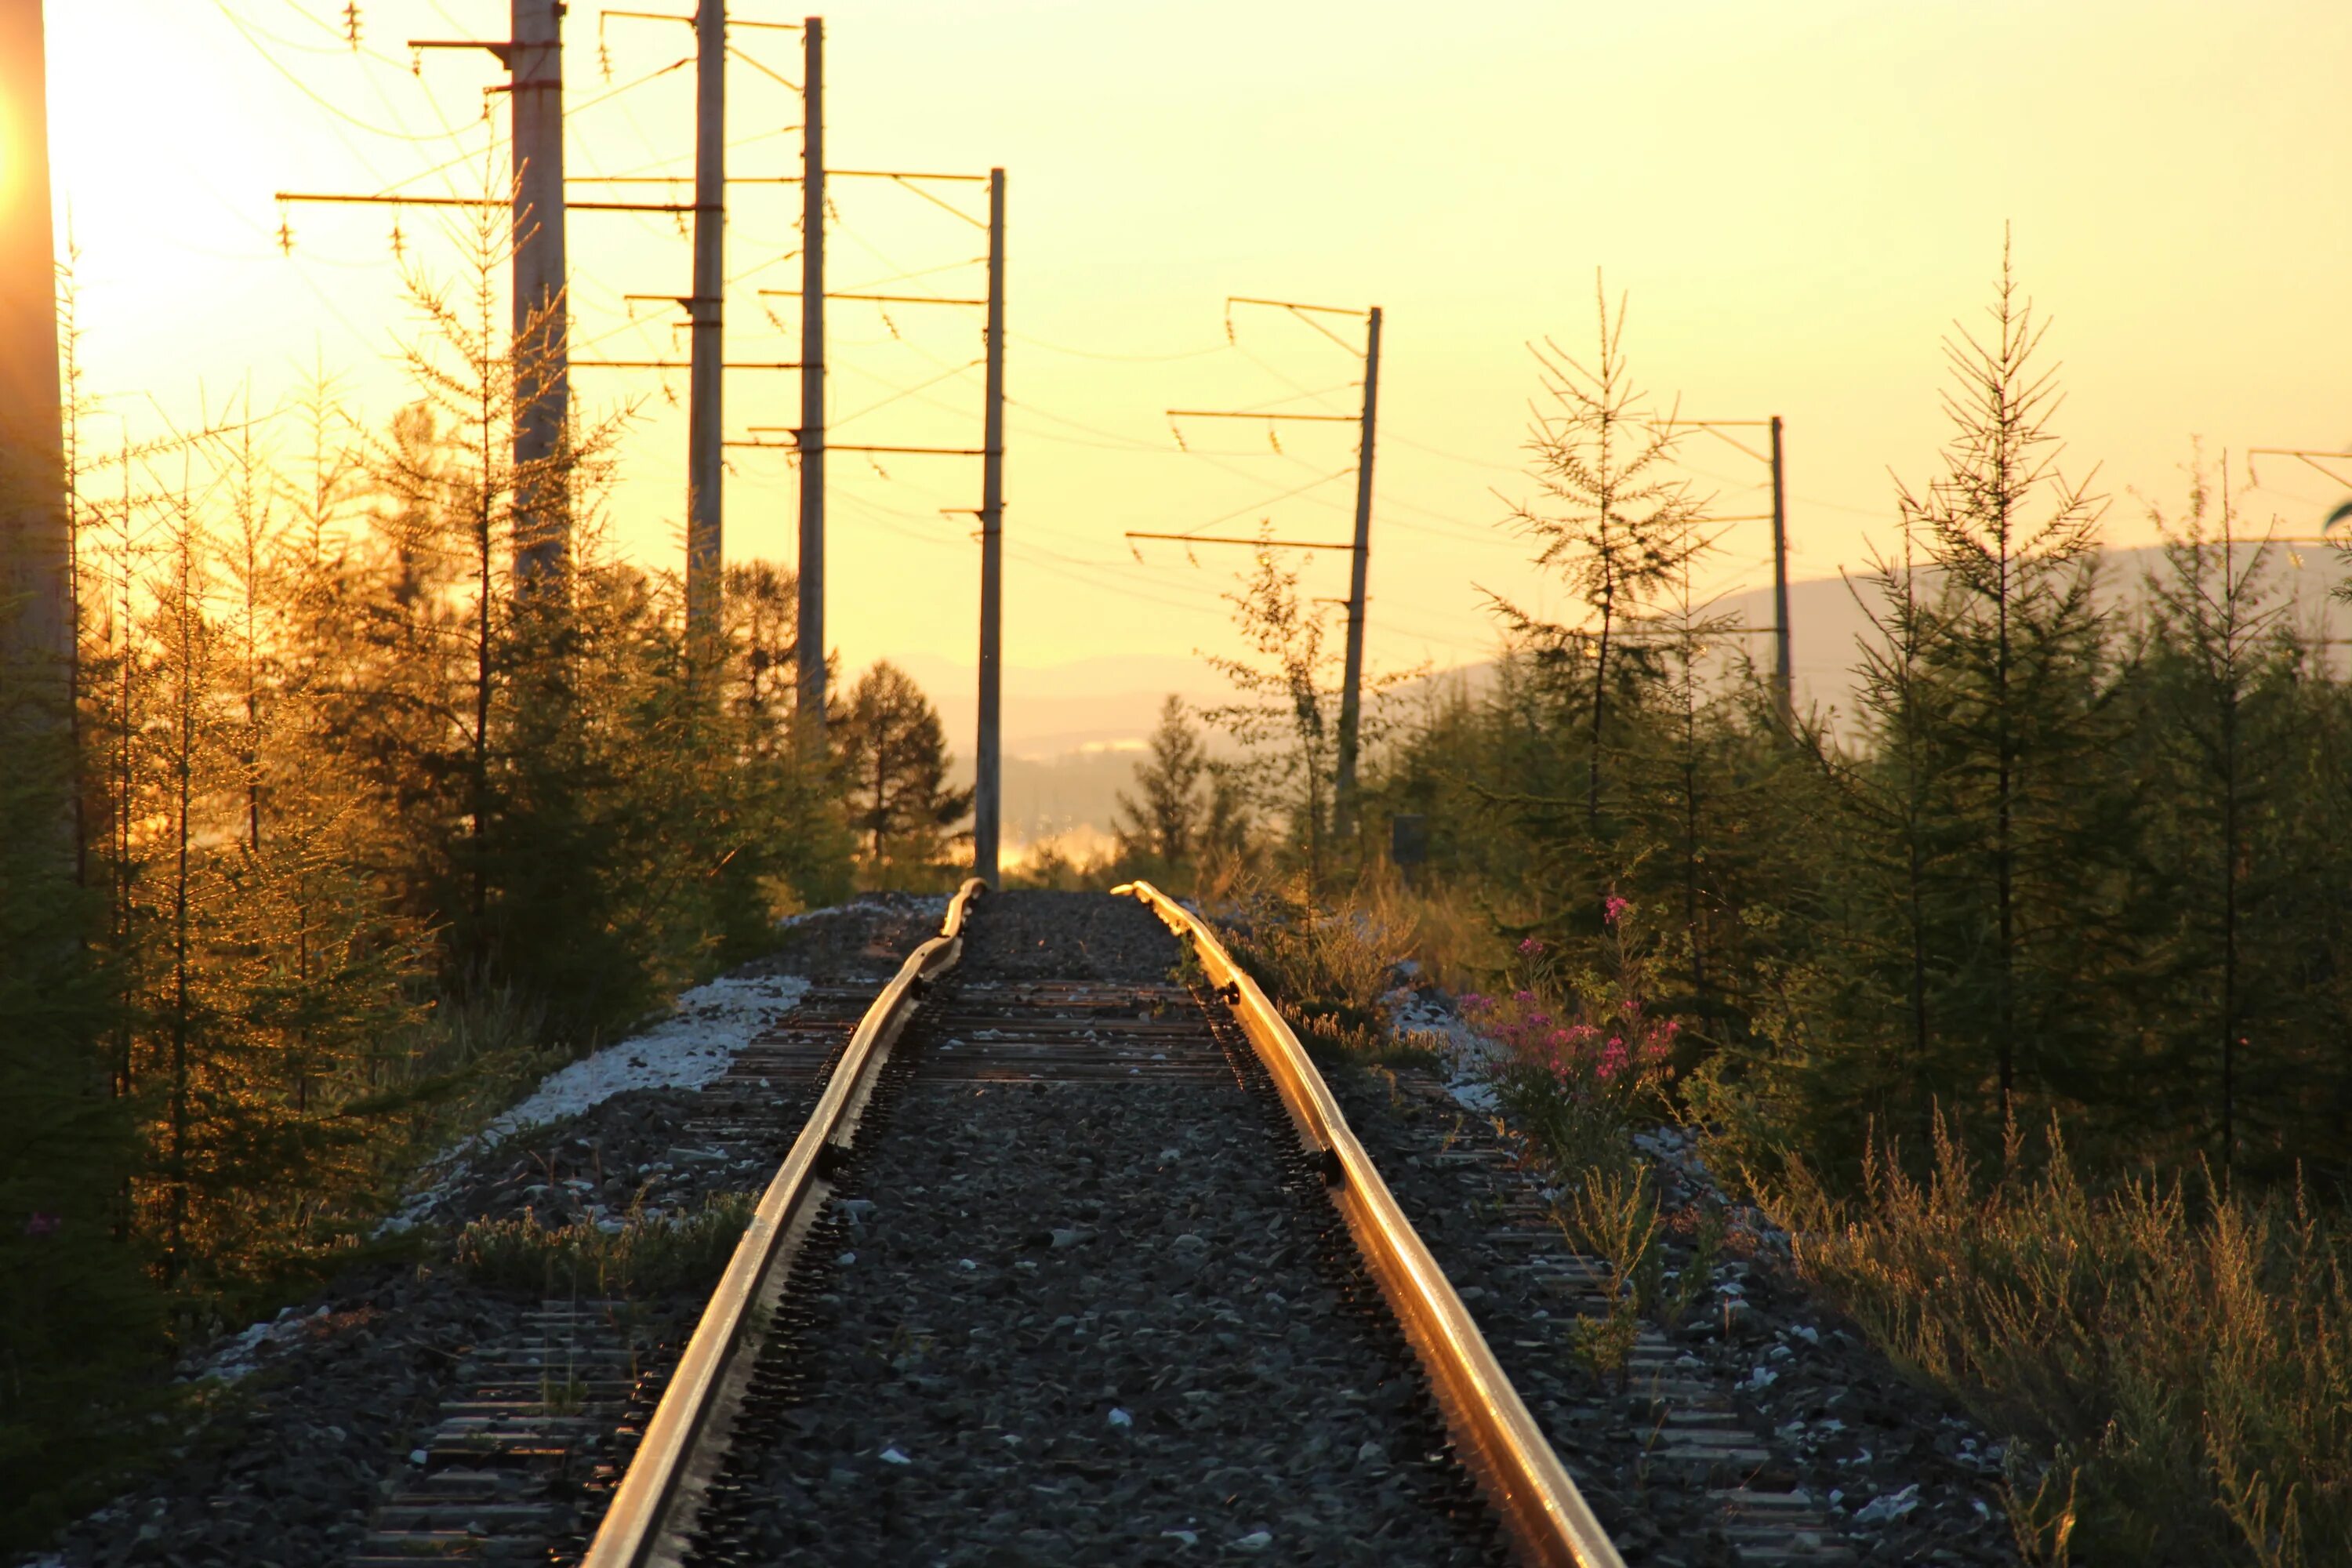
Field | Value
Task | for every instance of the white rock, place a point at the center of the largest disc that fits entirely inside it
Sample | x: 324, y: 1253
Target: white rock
x: 1120, y: 1418
x: 1888, y: 1508
x: 1256, y: 1540
x: 891, y: 1456
x: 1181, y: 1537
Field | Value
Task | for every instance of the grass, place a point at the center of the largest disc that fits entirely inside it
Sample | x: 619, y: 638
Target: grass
x: 1329, y: 962
x: 644, y: 1258
x: 2180, y: 1358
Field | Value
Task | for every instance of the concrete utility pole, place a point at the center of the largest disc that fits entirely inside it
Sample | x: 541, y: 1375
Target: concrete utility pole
x: 36, y: 534
x: 988, y: 798
x: 1359, y: 568
x: 811, y: 438
x: 704, y: 539
x: 533, y: 54
x: 1367, y: 422
x: 1783, y: 669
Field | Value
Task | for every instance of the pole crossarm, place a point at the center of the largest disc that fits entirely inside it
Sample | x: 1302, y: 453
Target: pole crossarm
x: 1294, y: 305
x: 479, y: 203
x: 1221, y: 539
x: 903, y: 174
x: 1716, y: 428
x: 794, y: 444
x: 884, y: 299
x: 1254, y: 413
x: 679, y: 364
x: 677, y: 179
x: 502, y: 47
x: 2309, y: 456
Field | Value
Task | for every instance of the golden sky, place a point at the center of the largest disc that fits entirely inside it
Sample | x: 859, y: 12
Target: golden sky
x: 1799, y: 199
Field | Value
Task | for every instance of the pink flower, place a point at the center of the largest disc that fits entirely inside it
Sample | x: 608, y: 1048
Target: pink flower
x: 1614, y: 908
x: 1531, y: 945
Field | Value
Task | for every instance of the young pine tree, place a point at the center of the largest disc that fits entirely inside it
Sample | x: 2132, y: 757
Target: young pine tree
x: 2022, y: 646
x: 895, y: 762
x: 1286, y: 715
x: 2210, y: 685
x: 1163, y: 830
x: 1613, y: 519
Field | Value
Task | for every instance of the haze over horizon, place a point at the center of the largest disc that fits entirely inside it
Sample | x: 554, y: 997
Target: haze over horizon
x: 1799, y: 204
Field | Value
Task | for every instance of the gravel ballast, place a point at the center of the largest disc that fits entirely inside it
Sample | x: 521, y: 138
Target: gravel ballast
x: 319, y: 1415
x: 1076, y: 1321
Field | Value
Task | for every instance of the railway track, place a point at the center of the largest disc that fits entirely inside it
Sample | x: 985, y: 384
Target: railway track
x: 1071, y: 1263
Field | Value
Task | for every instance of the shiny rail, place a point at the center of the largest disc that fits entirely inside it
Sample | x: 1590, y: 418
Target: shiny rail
x: 1546, y: 1517
x: 651, y: 1520
x: 652, y: 1512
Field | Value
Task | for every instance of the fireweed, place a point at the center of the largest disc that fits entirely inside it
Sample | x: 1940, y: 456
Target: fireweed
x: 1579, y: 1057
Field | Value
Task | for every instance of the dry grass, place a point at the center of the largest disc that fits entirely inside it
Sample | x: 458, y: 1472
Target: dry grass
x: 1331, y: 958
x: 643, y: 1258
x: 1327, y: 963
x: 2184, y: 1358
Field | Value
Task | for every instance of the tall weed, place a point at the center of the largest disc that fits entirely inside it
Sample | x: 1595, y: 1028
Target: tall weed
x: 644, y: 1258
x: 2184, y: 1354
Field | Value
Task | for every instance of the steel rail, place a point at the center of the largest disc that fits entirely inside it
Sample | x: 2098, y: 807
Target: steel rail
x: 1548, y: 1519
x: 650, y: 1516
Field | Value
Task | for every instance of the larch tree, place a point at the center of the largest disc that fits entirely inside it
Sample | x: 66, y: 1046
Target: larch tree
x: 895, y: 762
x: 2215, y: 640
x: 1614, y: 518
x: 1164, y: 826
x: 2019, y: 638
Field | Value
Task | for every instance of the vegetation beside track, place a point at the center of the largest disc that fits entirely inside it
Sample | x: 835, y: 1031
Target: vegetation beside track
x: 2074, y: 862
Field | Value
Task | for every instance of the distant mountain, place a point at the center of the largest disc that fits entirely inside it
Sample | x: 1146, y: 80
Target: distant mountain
x: 1828, y: 622
x: 1073, y: 731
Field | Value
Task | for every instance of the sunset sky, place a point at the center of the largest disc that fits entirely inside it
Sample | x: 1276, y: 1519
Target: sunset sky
x: 1799, y: 199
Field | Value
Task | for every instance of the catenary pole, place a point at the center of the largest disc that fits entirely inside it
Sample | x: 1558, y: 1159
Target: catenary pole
x: 534, y: 58
x: 812, y: 693
x: 1783, y: 671
x: 1359, y: 571
x: 988, y: 794
x: 36, y: 539
x: 705, y: 539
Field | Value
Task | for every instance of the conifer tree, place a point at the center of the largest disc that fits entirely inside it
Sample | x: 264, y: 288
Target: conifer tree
x: 1613, y: 518
x: 2019, y: 639
x: 2213, y: 643
x: 1164, y: 827
x: 1285, y: 714
x: 895, y: 760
